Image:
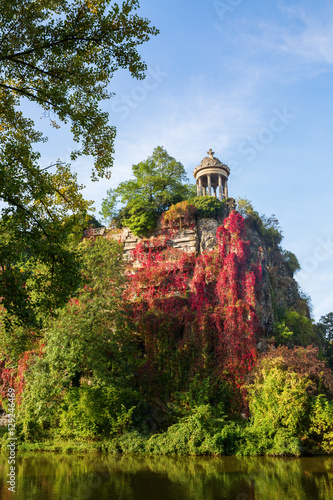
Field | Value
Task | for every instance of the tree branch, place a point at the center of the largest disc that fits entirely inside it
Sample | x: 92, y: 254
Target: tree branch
x: 21, y: 207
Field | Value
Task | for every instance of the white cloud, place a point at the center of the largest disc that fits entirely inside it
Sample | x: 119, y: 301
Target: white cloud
x: 313, y: 41
x: 187, y: 126
x: 305, y: 35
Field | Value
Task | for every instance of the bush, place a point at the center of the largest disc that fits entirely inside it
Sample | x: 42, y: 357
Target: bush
x: 204, y: 432
x: 201, y: 433
x: 91, y: 412
x: 179, y: 215
x: 208, y: 206
x: 288, y: 416
x: 321, y: 425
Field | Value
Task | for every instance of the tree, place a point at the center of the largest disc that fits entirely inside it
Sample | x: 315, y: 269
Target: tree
x: 325, y: 329
x: 59, y: 55
x: 82, y: 367
x: 159, y: 182
x: 326, y: 326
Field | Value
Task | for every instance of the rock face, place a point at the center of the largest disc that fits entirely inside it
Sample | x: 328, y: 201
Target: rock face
x: 206, y: 233
x: 4, y: 420
x: 278, y: 292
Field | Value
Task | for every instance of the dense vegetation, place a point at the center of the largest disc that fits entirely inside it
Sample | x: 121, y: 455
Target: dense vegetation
x: 163, y: 357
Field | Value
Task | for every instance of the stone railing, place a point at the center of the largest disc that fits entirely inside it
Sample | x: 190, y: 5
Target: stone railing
x: 94, y: 231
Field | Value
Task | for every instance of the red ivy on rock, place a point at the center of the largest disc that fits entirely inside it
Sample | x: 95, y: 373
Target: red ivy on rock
x: 196, y: 314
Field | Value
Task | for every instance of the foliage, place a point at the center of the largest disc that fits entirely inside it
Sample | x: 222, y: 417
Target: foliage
x: 291, y: 262
x: 205, y: 431
x: 305, y: 362
x: 325, y: 329
x: 62, y: 56
x: 244, y: 207
x: 321, y: 425
x: 179, y: 215
x: 108, y: 209
x: 86, y: 347
x: 158, y: 355
x: 59, y: 55
x: 90, y: 412
x: 208, y: 206
x: 278, y: 405
x: 201, y: 433
x: 326, y: 325
x: 295, y: 329
x: 158, y: 183
x: 289, y: 412
x: 39, y: 233
x: 268, y: 227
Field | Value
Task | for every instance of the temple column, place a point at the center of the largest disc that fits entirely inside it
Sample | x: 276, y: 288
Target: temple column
x: 214, y: 191
x: 209, y: 182
x: 226, y: 188
x: 220, y: 188
x: 200, y: 186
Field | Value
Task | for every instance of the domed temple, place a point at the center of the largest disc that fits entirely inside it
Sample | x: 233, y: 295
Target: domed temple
x: 210, y: 175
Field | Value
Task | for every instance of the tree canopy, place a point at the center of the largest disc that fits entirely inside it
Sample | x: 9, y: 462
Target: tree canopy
x: 60, y: 55
x: 159, y: 182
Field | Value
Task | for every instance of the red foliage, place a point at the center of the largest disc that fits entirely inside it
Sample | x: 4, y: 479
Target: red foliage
x: 15, y: 377
x: 198, y: 310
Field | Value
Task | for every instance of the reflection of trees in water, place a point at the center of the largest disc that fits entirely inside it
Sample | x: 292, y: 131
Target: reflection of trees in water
x: 68, y: 477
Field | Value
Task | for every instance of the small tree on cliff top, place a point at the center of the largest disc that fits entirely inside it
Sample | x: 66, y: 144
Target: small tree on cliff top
x: 159, y: 182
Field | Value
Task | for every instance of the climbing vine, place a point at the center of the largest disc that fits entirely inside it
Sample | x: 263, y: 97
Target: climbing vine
x: 195, y: 314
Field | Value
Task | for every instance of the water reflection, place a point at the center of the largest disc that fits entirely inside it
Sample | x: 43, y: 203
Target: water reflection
x: 44, y: 476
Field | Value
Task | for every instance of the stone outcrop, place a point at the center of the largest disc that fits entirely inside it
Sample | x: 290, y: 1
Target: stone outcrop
x: 4, y: 418
x: 278, y: 291
x: 202, y: 237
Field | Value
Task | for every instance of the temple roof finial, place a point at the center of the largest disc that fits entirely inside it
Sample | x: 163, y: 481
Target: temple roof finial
x: 211, y: 153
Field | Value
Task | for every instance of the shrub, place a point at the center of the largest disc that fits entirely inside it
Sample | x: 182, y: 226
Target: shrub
x: 179, y: 215
x: 201, y: 433
x: 208, y: 206
x: 279, y: 406
x: 90, y: 412
x: 321, y: 424
x: 291, y: 262
x: 288, y: 416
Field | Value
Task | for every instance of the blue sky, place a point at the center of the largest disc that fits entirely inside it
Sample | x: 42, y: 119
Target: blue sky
x: 253, y: 81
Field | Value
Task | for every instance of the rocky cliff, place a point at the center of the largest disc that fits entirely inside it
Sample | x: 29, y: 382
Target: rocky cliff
x: 279, y: 291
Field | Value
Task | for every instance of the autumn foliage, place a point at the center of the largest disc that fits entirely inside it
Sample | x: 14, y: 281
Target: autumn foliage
x: 195, y: 314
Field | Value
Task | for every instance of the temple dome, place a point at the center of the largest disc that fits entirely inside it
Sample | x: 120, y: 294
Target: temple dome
x: 211, y: 161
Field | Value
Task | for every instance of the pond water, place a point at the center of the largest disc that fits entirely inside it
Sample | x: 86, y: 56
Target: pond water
x: 51, y: 476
